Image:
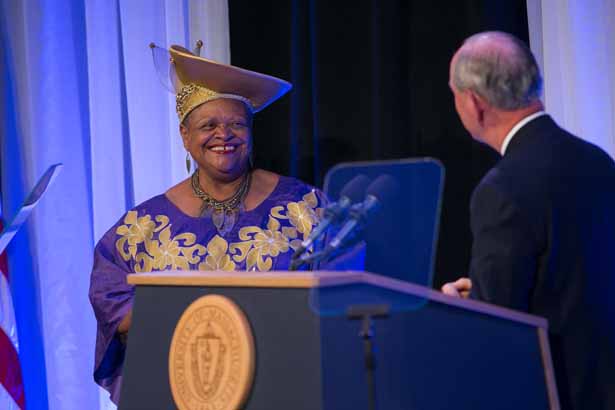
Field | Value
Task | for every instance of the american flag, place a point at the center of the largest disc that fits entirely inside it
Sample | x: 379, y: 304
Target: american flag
x: 11, y: 385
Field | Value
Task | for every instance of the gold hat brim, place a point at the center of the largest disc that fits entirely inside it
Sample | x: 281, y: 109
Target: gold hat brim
x: 260, y: 89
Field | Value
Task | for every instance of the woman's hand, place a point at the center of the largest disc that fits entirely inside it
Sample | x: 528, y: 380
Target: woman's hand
x: 125, y: 323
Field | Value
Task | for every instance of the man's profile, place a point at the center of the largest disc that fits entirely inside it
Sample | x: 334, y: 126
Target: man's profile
x: 542, y: 219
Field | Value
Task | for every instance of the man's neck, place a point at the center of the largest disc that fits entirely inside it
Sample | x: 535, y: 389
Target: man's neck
x: 506, y: 120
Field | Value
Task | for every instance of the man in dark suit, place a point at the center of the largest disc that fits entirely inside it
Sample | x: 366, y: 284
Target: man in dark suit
x: 543, y: 219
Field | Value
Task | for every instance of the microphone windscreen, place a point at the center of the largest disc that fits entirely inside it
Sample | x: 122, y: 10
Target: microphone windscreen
x: 355, y: 188
x: 384, y: 188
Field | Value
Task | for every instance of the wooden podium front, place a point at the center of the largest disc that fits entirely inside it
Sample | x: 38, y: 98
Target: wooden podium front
x: 442, y: 353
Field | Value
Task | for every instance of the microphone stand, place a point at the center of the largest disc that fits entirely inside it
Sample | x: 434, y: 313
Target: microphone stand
x: 365, y: 313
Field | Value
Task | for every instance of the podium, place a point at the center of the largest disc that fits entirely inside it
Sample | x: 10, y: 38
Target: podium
x: 431, y: 352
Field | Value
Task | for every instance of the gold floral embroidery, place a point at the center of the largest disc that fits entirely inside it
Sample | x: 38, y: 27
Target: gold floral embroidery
x: 161, y: 253
x: 257, y: 246
x: 265, y: 243
x: 311, y: 199
x: 217, y: 259
x: 302, y: 214
x: 167, y: 252
x: 136, y: 231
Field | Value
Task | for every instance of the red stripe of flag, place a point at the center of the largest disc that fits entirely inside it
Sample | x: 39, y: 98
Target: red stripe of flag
x: 4, y: 266
x: 10, y: 370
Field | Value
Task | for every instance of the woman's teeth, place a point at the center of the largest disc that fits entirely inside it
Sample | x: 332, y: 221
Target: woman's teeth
x: 223, y: 148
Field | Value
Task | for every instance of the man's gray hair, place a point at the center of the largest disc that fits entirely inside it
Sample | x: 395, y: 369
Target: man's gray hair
x: 507, y: 77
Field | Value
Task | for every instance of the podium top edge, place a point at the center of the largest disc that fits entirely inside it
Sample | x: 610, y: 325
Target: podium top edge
x: 320, y: 279
x: 283, y: 279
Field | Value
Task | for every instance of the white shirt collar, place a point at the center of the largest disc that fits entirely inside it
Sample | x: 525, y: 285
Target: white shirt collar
x: 517, y: 127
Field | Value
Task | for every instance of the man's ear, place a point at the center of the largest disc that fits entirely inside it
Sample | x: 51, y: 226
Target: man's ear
x: 478, y: 106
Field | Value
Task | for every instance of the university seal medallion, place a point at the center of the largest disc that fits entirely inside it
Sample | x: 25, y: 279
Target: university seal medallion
x: 211, y: 360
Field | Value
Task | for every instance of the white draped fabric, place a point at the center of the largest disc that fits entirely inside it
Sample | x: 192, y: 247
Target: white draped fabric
x: 574, y: 41
x: 83, y: 91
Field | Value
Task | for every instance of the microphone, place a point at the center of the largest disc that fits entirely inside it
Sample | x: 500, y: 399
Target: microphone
x: 378, y: 193
x: 337, y: 211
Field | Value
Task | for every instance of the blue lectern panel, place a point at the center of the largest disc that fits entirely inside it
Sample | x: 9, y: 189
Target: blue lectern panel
x: 429, y: 355
x: 401, y: 238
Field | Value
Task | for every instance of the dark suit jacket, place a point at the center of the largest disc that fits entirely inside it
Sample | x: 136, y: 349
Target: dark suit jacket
x: 543, y: 221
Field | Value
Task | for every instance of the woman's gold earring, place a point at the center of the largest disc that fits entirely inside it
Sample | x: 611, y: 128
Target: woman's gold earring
x: 188, y: 163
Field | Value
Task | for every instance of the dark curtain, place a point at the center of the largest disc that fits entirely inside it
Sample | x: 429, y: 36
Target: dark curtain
x: 370, y: 82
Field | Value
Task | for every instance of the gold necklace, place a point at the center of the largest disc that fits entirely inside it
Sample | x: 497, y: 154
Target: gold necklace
x: 222, y: 213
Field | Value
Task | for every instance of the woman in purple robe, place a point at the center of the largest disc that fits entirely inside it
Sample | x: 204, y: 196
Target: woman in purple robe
x: 225, y: 216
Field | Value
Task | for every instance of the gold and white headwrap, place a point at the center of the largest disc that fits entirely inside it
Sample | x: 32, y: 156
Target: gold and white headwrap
x: 196, y: 80
x: 191, y: 96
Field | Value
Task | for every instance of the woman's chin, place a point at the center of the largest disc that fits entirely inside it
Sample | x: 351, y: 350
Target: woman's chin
x: 225, y: 172
x: 227, y: 163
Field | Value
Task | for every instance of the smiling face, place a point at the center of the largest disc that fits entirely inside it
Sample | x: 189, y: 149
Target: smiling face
x: 218, y: 135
